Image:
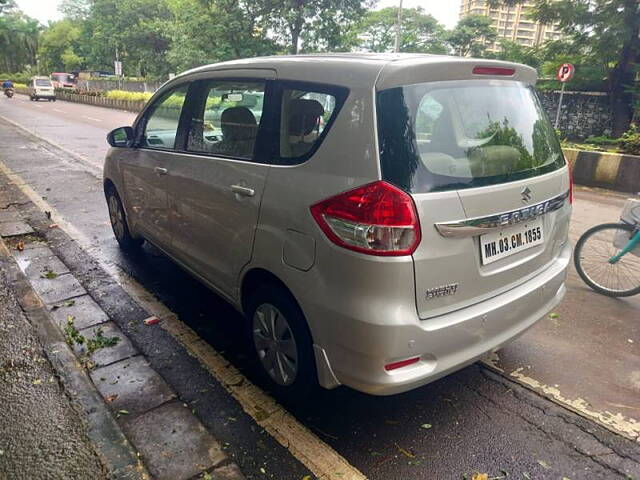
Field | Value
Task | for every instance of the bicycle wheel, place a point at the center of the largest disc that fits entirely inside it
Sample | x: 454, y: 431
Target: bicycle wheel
x: 591, y: 257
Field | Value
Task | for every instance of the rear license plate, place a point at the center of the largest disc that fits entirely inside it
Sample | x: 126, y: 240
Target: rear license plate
x: 510, y: 240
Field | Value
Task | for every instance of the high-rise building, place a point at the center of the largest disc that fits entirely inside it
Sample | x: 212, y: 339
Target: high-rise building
x: 511, y: 23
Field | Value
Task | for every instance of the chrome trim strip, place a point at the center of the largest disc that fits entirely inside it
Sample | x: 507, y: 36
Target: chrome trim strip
x: 472, y: 227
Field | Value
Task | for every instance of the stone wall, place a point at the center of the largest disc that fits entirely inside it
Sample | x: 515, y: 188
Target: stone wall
x: 584, y: 114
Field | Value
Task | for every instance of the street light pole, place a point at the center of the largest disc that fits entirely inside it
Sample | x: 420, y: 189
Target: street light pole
x: 398, y: 28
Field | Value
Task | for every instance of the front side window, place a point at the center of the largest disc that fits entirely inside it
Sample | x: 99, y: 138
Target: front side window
x: 228, y: 123
x: 303, y: 118
x: 161, y: 125
x: 461, y: 134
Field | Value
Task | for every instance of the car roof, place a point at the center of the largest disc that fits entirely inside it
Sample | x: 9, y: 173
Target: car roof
x: 366, y: 70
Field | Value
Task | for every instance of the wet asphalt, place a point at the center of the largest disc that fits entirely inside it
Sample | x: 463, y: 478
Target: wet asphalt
x: 472, y: 421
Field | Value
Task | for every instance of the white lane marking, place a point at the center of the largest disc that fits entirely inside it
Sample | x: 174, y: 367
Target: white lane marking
x: 91, y: 118
x: 58, y: 110
x: 322, y: 460
x: 36, y: 105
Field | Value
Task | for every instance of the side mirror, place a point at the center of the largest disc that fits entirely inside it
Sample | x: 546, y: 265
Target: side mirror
x: 121, y: 137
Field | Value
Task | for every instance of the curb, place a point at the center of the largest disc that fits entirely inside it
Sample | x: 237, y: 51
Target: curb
x: 614, y: 171
x: 113, y: 448
x: 122, y: 444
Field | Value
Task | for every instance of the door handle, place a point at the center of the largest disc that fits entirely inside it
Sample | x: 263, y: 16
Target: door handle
x: 161, y: 171
x: 245, y: 191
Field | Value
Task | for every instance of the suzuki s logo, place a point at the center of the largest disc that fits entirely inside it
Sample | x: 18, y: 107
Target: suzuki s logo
x: 526, y: 195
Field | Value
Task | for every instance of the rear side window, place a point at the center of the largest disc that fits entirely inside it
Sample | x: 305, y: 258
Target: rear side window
x: 306, y: 114
x: 451, y: 135
x: 42, y: 83
x: 161, y: 125
x: 228, y: 123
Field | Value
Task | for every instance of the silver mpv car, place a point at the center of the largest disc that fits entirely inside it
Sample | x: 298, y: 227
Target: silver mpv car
x: 380, y: 220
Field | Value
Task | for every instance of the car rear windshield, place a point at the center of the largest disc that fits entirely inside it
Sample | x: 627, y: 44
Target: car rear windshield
x: 43, y: 83
x: 461, y: 134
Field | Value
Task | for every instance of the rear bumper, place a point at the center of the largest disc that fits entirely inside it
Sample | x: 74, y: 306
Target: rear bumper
x: 44, y: 94
x: 445, y: 343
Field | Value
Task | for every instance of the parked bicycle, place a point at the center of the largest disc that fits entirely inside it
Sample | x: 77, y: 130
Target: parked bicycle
x: 607, y: 256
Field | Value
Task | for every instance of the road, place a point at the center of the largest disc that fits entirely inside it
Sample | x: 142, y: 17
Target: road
x: 584, y: 359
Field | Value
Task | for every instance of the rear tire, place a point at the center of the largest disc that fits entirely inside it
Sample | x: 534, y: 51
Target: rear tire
x: 119, y: 225
x: 281, y: 341
x: 593, y: 267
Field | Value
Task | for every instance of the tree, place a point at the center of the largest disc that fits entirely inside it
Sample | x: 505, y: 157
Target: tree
x: 18, y: 38
x: 471, y: 36
x: 59, y: 46
x: 134, y: 29
x: 420, y: 31
x: 227, y: 29
x: 514, y: 52
x: 319, y: 24
x: 607, y: 32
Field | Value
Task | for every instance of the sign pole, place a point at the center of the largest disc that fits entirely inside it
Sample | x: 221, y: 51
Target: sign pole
x: 559, y: 106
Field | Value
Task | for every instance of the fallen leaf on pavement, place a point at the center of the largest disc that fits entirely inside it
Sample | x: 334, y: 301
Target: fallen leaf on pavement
x: 553, y: 315
x: 111, y: 398
x: 151, y: 321
x: 20, y: 246
x: 480, y: 476
x: 406, y: 453
x: 543, y: 464
x: 50, y: 274
x: 37, y: 381
x: 48, y: 214
x: 53, y: 225
x: 426, y: 426
x: 123, y: 412
x: 306, y: 477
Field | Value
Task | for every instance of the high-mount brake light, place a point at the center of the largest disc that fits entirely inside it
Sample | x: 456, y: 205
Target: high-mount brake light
x: 500, y: 71
x: 376, y: 219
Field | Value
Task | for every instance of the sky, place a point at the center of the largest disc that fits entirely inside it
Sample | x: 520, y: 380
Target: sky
x: 445, y: 11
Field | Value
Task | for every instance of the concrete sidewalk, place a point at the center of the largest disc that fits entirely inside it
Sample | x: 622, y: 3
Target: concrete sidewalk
x: 125, y: 412
x: 42, y: 434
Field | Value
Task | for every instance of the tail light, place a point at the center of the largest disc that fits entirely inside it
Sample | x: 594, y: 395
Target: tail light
x: 377, y: 219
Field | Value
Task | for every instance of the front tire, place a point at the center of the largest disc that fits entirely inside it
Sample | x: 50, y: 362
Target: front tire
x: 281, y: 342
x: 591, y: 259
x: 119, y: 224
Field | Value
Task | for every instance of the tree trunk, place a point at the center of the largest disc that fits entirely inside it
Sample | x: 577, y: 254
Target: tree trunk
x: 296, y: 26
x: 622, y: 76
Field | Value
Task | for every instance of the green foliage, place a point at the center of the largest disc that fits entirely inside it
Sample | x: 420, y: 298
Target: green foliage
x: 421, y: 32
x: 129, y: 96
x: 471, y: 36
x: 58, y: 46
x: 630, y: 141
x: 18, y: 39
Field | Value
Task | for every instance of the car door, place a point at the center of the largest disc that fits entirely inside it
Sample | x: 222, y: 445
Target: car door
x: 144, y: 169
x: 217, y: 185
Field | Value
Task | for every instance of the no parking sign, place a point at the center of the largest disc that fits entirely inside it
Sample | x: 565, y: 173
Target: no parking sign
x: 565, y: 72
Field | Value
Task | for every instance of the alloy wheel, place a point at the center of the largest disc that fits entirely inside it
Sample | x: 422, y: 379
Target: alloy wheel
x: 275, y: 344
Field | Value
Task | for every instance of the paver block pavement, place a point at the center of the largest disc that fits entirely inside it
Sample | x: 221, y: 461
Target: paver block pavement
x: 53, y: 290
x: 9, y: 215
x: 173, y: 443
x: 84, y: 310
x: 107, y: 355
x: 132, y: 385
x: 37, y: 267
x: 11, y: 229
